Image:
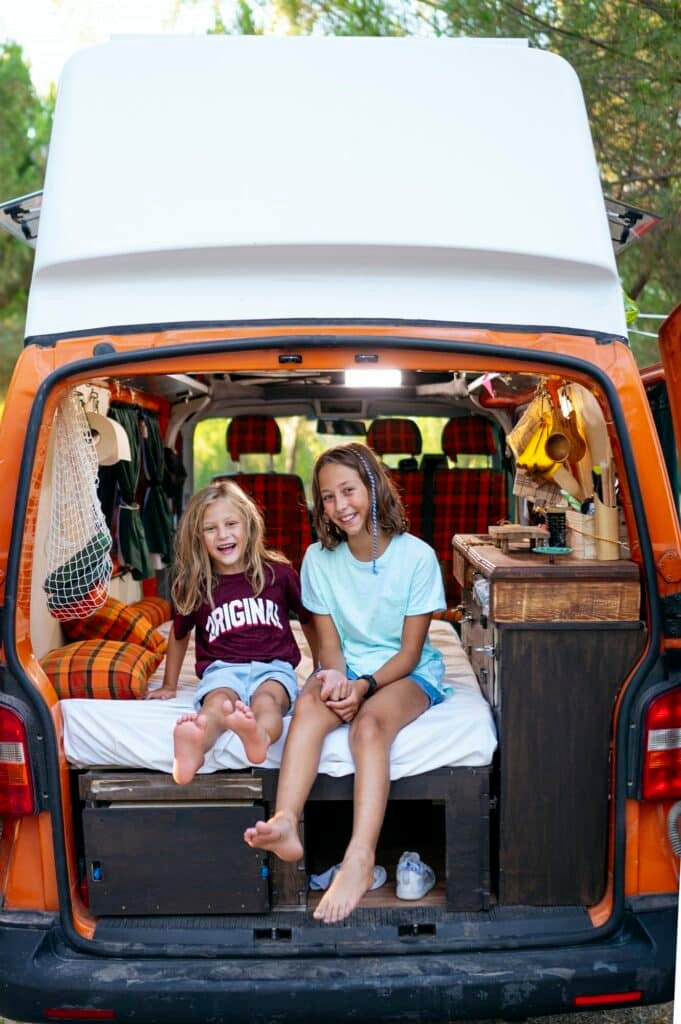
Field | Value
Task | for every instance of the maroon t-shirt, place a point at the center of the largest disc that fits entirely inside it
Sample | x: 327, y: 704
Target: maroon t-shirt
x: 241, y: 627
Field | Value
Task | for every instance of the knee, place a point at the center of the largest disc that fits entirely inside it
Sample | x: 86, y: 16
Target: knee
x: 366, y: 729
x: 266, y: 701
x: 308, y: 701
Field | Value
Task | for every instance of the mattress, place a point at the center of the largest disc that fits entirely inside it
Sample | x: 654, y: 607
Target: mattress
x: 138, y: 734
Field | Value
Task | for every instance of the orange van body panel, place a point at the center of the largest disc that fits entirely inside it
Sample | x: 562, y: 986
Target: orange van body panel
x: 27, y: 852
x: 651, y: 864
x: 31, y: 881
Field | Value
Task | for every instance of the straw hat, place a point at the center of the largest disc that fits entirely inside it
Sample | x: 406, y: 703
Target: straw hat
x: 111, y: 441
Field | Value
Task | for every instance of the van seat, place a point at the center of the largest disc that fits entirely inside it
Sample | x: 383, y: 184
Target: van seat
x: 402, y: 437
x: 279, y: 496
x: 465, y: 500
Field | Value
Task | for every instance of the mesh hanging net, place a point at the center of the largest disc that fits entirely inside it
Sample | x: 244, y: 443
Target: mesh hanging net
x: 78, y: 562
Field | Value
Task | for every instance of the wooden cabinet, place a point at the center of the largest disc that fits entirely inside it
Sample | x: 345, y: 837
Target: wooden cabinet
x: 551, y: 646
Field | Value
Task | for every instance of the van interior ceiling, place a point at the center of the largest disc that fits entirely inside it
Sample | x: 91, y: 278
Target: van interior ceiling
x: 481, y: 794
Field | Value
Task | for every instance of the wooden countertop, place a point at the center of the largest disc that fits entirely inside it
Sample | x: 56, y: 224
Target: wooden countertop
x: 489, y: 560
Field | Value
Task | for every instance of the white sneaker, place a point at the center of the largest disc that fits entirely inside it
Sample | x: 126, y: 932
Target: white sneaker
x: 414, y: 878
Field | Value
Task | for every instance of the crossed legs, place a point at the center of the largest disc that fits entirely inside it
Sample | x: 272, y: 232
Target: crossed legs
x: 258, y: 726
x: 371, y: 735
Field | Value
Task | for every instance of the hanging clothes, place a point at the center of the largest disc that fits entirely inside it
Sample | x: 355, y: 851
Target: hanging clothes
x: 156, y: 515
x: 132, y: 543
x: 174, y: 477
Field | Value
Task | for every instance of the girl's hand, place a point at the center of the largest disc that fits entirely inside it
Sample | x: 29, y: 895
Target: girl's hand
x: 162, y: 693
x: 347, y: 707
x: 335, y: 686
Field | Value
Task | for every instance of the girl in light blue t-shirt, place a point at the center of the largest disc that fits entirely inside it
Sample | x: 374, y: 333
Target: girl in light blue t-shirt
x: 372, y: 588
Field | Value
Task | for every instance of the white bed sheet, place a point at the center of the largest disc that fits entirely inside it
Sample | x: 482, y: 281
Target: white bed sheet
x: 138, y: 734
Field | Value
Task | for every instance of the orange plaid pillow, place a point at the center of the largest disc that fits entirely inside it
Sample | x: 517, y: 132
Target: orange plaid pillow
x: 116, y: 621
x: 101, y: 668
x: 156, y: 609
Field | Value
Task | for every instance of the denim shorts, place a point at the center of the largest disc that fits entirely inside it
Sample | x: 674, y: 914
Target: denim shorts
x: 245, y: 679
x: 432, y: 693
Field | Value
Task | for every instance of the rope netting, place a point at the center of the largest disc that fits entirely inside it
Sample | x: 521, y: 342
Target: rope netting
x: 79, y: 566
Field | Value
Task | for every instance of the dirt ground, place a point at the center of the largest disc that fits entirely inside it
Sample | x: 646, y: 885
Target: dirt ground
x: 661, y: 1014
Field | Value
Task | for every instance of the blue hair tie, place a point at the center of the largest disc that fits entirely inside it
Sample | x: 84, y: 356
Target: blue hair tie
x: 374, y: 512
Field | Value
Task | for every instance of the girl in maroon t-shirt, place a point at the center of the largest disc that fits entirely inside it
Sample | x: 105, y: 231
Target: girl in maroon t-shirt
x: 237, y: 595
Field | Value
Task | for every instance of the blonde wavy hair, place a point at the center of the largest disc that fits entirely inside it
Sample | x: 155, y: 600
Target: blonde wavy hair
x: 194, y: 578
x: 390, y: 514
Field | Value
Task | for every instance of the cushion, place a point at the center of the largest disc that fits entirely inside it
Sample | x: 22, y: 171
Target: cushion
x: 156, y: 609
x: 100, y: 668
x: 116, y: 621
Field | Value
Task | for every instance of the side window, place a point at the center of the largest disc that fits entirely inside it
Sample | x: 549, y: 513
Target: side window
x: 662, y: 414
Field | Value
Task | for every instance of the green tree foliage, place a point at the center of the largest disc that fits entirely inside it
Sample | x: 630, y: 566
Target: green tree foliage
x: 25, y: 121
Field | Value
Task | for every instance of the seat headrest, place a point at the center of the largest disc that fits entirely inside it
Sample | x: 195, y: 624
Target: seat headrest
x: 468, y: 435
x: 253, y: 435
x: 394, y: 437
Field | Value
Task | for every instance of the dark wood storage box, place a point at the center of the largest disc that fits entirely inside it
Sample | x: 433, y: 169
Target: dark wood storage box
x: 152, y: 847
x: 173, y: 858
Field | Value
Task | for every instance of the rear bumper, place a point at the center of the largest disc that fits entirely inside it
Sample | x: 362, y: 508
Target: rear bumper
x: 38, y: 973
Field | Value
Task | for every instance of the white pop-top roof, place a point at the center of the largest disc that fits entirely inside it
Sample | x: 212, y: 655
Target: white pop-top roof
x: 220, y: 178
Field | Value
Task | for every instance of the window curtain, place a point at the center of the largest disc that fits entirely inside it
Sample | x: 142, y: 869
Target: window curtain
x: 156, y: 514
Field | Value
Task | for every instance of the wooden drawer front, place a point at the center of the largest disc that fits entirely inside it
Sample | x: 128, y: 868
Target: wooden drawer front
x: 173, y: 859
x: 536, y: 600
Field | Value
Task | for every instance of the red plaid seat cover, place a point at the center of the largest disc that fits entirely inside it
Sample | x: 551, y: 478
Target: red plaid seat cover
x: 279, y: 496
x: 465, y: 500
x: 401, y: 437
x: 281, y: 499
x: 248, y: 435
x: 394, y: 437
x: 468, y: 435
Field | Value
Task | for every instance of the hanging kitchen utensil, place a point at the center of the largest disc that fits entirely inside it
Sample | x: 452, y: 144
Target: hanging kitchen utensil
x: 565, y: 441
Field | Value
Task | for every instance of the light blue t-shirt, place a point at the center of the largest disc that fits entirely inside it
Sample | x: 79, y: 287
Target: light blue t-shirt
x: 368, y: 609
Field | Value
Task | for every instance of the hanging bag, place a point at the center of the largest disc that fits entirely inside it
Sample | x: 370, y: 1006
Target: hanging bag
x: 78, y: 542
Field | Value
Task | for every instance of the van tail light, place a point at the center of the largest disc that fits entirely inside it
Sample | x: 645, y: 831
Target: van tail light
x: 662, y: 747
x: 16, y: 783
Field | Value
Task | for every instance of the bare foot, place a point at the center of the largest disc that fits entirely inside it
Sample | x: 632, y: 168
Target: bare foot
x: 279, y: 835
x: 189, y: 737
x: 352, y: 880
x: 254, y: 738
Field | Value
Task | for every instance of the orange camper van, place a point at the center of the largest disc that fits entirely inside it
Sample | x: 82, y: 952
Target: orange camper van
x: 307, y: 239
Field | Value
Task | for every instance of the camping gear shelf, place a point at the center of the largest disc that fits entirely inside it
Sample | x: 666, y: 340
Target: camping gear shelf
x: 551, y: 645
